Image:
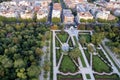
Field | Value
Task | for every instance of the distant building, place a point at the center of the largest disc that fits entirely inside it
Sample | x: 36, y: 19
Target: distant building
x: 117, y: 12
x: 26, y: 15
x: 85, y: 15
x: 56, y: 10
x: 8, y: 14
x: 102, y: 15
x: 42, y: 14
x: 68, y: 16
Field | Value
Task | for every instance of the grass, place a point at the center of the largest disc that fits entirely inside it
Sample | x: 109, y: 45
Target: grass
x: 75, y: 41
x: 57, y: 43
x: 82, y: 60
x: 87, y: 55
x: 51, y: 59
x: 100, y: 66
x: 87, y: 37
x: 67, y: 65
x: 63, y: 37
x: 111, y: 77
x: 88, y: 76
x: 70, y: 43
x: 58, y: 54
x: 62, y: 77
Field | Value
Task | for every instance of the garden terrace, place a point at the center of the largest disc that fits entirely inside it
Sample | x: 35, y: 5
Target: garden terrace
x: 69, y: 77
x: 107, y: 77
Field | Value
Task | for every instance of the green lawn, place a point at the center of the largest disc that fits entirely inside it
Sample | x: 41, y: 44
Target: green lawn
x: 63, y: 37
x: 51, y: 58
x: 87, y: 37
x: 70, y: 43
x: 99, y: 65
x: 57, y: 43
x: 75, y: 41
x: 82, y: 60
x: 112, y: 77
x: 87, y: 55
x: 62, y: 77
x: 67, y: 65
x: 58, y: 54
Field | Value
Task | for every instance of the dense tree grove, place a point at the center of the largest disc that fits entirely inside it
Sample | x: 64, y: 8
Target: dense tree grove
x: 20, y: 50
x: 110, y: 32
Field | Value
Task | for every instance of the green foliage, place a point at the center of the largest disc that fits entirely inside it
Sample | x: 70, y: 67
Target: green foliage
x: 18, y: 43
x: 56, y: 1
x: 33, y: 71
x: 97, y: 38
x: 43, y: 20
x: 56, y: 20
x: 19, y: 63
x: 99, y: 65
x: 89, y: 20
x: 5, y: 61
x: 74, y: 53
x: 67, y: 65
x: 107, y: 21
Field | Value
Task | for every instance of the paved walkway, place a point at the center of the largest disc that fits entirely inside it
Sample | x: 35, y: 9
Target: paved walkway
x: 55, y: 69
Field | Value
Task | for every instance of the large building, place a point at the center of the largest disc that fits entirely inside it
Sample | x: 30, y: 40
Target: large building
x: 26, y: 15
x: 68, y: 16
x: 56, y: 10
x: 84, y: 15
x: 42, y: 13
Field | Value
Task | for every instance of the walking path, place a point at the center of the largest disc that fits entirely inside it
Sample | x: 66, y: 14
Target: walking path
x: 55, y: 69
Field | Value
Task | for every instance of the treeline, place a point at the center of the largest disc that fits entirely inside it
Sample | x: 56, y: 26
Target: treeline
x: 20, y: 50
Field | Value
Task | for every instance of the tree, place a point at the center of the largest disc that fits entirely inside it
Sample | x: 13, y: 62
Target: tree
x: 54, y: 27
x: 56, y: 20
x: 74, y: 53
x: 116, y: 50
x: 90, y: 48
x: 82, y: 40
x: 97, y: 38
x: 5, y: 61
x: 19, y: 63
x: 46, y: 66
x: 39, y: 52
x: 21, y: 73
x: 33, y: 71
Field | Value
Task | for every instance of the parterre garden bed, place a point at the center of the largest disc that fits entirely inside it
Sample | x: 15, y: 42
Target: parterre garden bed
x: 87, y: 54
x: 69, y: 77
x: 63, y: 37
x: 107, y: 77
x: 67, y: 65
x: 58, y: 54
x: 86, y: 36
x: 100, y: 66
